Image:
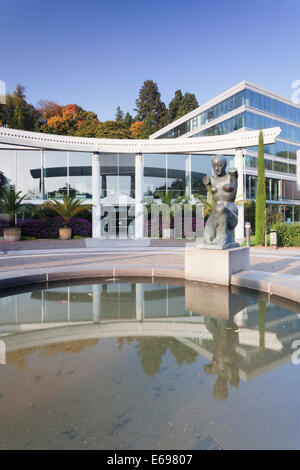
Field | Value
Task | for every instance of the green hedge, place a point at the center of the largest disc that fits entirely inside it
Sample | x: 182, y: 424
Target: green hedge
x: 287, y: 234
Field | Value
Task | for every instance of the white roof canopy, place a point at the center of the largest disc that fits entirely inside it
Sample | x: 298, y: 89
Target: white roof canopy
x: 124, y: 146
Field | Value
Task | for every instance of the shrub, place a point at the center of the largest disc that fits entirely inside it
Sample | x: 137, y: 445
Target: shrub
x: 48, y: 227
x: 287, y: 234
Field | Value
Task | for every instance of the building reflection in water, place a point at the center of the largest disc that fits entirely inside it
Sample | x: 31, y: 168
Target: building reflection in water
x: 241, y: 334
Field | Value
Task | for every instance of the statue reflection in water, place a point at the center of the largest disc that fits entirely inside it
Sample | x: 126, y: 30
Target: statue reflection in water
x: 225, y: 361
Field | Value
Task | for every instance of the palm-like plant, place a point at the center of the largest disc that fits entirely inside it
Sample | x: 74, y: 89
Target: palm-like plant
x: 68, y: 208
x: 10, y: 203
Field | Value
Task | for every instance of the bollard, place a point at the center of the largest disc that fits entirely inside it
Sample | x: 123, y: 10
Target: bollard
x: 248, y: 230
x: 273, y: 239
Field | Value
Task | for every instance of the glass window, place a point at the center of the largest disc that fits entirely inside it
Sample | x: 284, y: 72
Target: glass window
x: 250, y: 162
x: 177, y: 174
x: 201, y: 166
x: 29, y: 173
x: 275, y: 190
x: 80, y: 178
x: 155, y: 175
x: 55, y: 174
x: 297, y: 214
x: 280, y: 166
x: 8, y: 167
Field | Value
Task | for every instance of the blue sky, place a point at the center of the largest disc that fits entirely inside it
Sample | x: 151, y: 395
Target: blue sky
x: 98, y: 53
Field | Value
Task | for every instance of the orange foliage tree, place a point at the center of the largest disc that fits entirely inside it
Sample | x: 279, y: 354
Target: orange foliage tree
x: 136, y: 129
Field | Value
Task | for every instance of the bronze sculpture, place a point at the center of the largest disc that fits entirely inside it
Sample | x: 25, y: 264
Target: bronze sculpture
x: 220, y: 225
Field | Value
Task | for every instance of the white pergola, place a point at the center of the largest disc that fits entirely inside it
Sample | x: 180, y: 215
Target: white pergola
x: 232, y: 143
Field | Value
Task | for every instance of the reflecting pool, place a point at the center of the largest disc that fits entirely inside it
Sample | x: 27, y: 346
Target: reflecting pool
x: 131, y: 365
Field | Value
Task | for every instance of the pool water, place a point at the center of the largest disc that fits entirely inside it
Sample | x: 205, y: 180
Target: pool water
x: 126, y: 365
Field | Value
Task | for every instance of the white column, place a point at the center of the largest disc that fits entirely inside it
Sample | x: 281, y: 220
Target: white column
x: 42, y: 175
x: 96, y: 193
x: 139, y: 301
x: 239, y: 165
x: 97, y: 290
x: 139, y: 196
x: 188, y: 176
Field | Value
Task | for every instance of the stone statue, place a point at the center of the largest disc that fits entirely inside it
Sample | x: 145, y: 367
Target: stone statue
x: 219, y: 228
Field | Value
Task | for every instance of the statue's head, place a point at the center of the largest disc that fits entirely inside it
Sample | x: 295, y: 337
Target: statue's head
x: 219, y: 164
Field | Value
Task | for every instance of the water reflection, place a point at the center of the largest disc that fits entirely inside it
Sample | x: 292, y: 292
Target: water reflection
x: 242, y: 335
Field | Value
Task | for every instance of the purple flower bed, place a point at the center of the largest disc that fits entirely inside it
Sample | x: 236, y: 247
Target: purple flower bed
x: 48, y: 227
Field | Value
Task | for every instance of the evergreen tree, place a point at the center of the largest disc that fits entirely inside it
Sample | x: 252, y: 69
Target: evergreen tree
x: 113, y: 130
x: 149, y: 104
x: 260, y: 212
x: 128, y: 120
x: 188, y: 103
x: 173, y: 107
x: 19, y: 114
x: 148, y: 127
x: 119, y: 115
x: 181, y: 105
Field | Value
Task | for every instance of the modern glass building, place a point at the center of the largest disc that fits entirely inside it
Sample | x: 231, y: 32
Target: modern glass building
x: 129, y: 174
x: 248, y: 107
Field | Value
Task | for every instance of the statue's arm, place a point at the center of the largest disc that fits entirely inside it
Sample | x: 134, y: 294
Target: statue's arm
x: 206, y: 180
x: 233, y: 172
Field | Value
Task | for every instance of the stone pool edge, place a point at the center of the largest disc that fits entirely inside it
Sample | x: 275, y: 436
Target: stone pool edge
x: 280, y: 285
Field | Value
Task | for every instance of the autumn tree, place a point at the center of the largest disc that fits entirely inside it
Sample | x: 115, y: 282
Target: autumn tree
x: 73, y: 120
x: 136, y: 129
x: 48, y: 109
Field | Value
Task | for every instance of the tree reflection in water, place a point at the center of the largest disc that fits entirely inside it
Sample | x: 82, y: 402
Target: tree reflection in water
x: 151, y: 351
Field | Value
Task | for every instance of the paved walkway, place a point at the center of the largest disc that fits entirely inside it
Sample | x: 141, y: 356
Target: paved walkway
x: 273, y: 271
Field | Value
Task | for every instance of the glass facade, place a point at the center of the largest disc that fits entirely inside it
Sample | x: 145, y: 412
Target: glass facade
x: 271, y: 106
x: 47, y: 175
x: 225, y: 127
x: 288, y: 131
x: 226, y: 106
x: 271, y: 165
x: 180, y: 174
x: 245, y: 97
x: 285, y: 153
x: 280, y: 149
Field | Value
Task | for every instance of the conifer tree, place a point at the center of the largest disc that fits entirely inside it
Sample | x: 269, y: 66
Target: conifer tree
x: 128, y: 120
x: 119, y: 115
x: 260, y: 212
x: 149, y: 104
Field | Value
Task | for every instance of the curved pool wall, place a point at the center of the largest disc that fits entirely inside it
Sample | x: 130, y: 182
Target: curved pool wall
x: 283, y: 286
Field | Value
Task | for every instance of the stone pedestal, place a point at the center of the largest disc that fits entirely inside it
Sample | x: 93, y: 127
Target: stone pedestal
x: 215, y: 266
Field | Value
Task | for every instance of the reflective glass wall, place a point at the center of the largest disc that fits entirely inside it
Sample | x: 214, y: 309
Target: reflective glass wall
x: 175, y: 173
x: 226, y: 106
x: 47, y: 175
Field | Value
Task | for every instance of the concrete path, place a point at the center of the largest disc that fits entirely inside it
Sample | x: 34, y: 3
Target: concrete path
x: 276, y: 272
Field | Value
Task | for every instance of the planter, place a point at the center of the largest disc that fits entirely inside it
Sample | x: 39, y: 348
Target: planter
x: 12, y: 234
x: 65, y: 233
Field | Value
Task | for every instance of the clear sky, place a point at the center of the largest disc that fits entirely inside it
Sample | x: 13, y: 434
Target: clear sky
x: 97, y: 53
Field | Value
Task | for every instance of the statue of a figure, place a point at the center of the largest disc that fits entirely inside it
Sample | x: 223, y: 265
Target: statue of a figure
x: 219, y: 228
